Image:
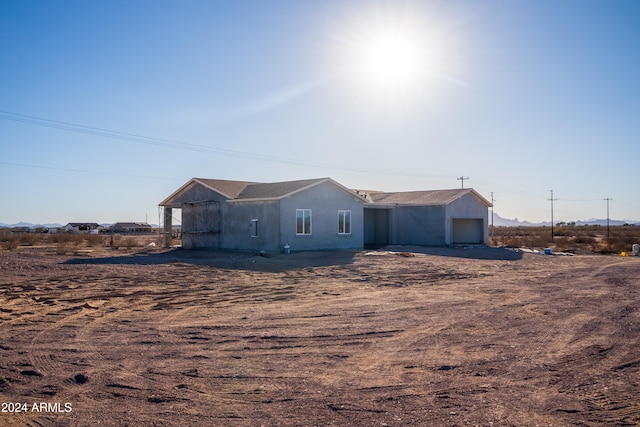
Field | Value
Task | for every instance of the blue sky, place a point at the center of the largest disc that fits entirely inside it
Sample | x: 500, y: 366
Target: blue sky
x: 107, y: 107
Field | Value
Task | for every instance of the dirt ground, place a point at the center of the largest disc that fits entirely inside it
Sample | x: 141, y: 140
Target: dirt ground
x: 397, y: 337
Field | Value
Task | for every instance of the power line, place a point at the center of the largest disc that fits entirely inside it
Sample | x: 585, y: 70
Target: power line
x: 579, y: 200
x: 168, y: 143
x: 24, y: 165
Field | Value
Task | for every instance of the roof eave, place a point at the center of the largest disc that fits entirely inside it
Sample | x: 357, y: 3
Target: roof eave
x: 167, y: 202
x: 299, y: 190
x: 375, y: 204
x: 479, y: 197
x: 254, y: 199
x: 464, y: 193
x: 212, y: 188
x: 352, y: 193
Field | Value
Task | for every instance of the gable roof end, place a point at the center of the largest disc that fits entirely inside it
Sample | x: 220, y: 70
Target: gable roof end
x: 226, y: 188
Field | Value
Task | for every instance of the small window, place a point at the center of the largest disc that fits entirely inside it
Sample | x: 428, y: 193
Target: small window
x: 303, y: 221
x: 254, y: 228
x: 344, y: 222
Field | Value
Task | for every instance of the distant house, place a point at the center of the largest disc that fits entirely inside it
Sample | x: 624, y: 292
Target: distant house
x: 321, y: 214
x: 22, y: 229
x: 131, y: 228
x: 81, y: 227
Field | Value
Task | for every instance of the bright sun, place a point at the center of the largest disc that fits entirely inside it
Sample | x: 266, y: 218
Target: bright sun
x: 392, y: 56
x: 390, y: 63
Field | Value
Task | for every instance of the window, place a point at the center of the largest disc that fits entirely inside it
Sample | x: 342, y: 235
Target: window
x: 344, y: 222
x: 254, y: 228
x: 303, y: 221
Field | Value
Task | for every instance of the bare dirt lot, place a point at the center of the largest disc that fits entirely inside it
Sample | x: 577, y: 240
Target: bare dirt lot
x: 427, y: 337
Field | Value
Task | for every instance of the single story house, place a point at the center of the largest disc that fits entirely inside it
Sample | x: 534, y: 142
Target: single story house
x: 81, y: 227
x: 131, y: 228
x: 320, y: 214
x: 238, y: 215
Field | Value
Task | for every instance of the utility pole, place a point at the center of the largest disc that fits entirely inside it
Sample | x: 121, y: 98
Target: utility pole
x: 608, y: 199
x: 462, y: 178
x: 552, y: 199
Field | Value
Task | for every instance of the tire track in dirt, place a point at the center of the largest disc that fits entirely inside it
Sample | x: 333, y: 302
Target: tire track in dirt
x: 612, y: 362
x: 212, y: 381
x: 600, y: 270
x: 108, y: 328
x: 188, y: 326
x: 40, y: 350
x: 357, y: 345
x: 390, y: 358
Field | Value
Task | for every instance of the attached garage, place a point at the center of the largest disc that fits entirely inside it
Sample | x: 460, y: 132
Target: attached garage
x: 428, y: 218
x: 467, y: 231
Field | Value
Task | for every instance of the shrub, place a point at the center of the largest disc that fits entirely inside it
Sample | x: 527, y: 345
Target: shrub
x: 10, y: 244
x: 59, y: 237
x: 588, y: 238
x: 29, y: 239
x: 65, y: 241
x: 62, y: 247
x: 584, y: 239
x: 8, y: 240
x: 612, y: 245
x: 126, y: 242
x: 559, y: 231
x: 562, y: 243
x: 94, y: 239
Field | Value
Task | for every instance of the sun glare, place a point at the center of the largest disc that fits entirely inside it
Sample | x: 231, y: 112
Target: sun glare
x: 391, y: 62
x: 391, y: 56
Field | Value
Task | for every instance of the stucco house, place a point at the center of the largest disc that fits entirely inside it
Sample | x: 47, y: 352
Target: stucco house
x: 320, y: 214
x: 81, y: 227
x: 238, y: 215
x: 131, y: 228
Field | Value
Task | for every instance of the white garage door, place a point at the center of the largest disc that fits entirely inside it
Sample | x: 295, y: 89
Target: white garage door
x: 468, y: 231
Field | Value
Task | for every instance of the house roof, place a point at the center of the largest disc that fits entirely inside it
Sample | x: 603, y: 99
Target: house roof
x: 276, y: 189
x: 242, y: 191
x: 230, y: 189
x: 131, y: 225
x: 253, y: 191
x: 423, y: 198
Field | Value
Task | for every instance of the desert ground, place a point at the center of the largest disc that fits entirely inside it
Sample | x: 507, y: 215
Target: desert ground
x: 400, y: 336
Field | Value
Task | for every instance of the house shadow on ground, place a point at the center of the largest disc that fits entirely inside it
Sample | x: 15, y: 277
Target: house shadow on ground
x: 282, y: 262
x: 222, y: 259
x: 468, y: 252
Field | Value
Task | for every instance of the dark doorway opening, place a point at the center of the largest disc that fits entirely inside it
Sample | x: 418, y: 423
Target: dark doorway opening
x: 376, y: 228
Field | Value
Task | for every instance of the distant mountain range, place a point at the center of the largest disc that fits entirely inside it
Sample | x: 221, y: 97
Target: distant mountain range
x: 54, y: 225
x: 505, y: 222
x: 29, y: 225
x: 497, y: 220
